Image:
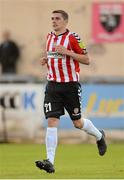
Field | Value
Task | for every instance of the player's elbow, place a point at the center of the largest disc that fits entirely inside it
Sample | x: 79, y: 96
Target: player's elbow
x: 87, y: 60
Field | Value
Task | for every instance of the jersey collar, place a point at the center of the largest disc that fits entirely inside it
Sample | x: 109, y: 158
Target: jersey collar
x: 66, y: 32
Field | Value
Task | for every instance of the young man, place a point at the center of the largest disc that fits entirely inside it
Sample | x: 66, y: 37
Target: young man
x: 64, y: 53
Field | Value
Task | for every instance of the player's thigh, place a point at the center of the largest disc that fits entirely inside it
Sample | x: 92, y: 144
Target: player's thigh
x: 53, y: 105
x: 53, y: 109
x: 73, y: 101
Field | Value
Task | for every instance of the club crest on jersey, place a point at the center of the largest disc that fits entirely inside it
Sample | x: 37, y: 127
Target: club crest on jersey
x: 76, y: 110
x: 51, y: 54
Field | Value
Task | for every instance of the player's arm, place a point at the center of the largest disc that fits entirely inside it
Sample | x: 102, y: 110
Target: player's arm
x: 43, y: 59
x: 78, y: 51
x: 82, y: 58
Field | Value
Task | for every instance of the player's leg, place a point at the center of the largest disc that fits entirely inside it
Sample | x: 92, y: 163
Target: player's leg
x: 51, y: 145
x: 73, y: 106
x: 53, y: 109
x: 51, y: 138
x: 87, y: 126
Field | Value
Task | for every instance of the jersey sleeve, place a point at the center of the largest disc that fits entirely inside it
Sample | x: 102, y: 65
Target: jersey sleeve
x: 48, y: 35
x: 76, y: 44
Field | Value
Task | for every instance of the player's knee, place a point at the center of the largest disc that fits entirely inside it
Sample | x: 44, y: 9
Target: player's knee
x: 78, y: 124
x: 53, y: 122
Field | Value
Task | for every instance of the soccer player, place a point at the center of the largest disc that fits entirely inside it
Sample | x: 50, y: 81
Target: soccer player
x: 64, y: 52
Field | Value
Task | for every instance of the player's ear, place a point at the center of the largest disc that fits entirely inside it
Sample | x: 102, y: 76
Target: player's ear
x: 66, y: 21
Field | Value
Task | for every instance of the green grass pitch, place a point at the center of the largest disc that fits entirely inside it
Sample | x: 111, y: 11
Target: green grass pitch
x: 72, y: 162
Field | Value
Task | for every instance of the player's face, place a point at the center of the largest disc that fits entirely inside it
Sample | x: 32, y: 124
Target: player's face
x: 58, y: 22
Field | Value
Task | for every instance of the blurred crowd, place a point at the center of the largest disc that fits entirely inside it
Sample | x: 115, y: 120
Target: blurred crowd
x: 9, y: 54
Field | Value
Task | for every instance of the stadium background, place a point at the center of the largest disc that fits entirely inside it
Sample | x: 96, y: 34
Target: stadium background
x: 103, y: 97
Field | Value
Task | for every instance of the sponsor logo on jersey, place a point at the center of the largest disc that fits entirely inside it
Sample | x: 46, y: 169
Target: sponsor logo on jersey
x: 55, y: 54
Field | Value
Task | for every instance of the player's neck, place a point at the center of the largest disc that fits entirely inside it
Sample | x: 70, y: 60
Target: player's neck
x: 62, y: 31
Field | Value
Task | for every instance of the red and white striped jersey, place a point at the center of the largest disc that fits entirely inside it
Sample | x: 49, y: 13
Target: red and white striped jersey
x: 62, y: 68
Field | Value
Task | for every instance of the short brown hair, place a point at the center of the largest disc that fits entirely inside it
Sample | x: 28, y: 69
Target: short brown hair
x: 63, y: 13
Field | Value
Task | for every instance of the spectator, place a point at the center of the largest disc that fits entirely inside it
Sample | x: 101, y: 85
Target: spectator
x: 9, y: 54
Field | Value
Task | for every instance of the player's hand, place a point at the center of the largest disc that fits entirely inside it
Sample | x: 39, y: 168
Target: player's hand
x: 61, y: 49
x: 43, y: 61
